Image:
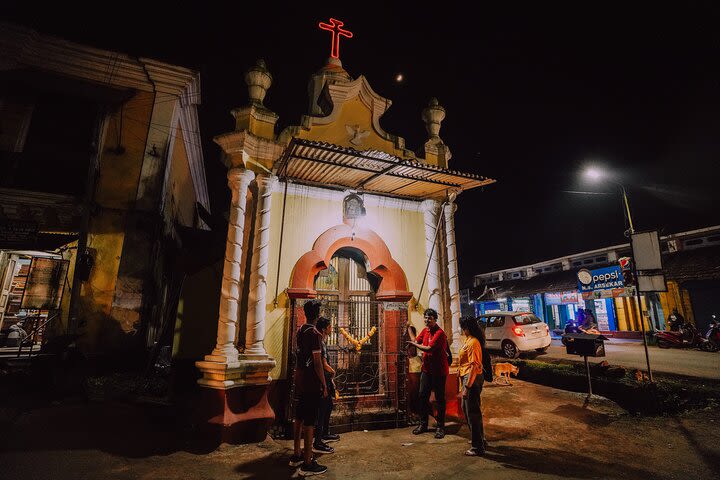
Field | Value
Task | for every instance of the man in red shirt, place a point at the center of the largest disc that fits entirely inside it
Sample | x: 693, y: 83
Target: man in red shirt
x: 433, y: 343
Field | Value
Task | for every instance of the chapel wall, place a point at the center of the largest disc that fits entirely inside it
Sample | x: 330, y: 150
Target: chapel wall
x: 308, y: 213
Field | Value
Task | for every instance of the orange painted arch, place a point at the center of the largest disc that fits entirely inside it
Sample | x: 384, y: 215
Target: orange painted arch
x: 393, y: 284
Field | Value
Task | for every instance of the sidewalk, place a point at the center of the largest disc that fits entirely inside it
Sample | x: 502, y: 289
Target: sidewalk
x: 535, y: 432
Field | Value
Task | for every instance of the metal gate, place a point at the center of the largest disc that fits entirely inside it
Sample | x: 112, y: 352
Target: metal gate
x: 371, y: 380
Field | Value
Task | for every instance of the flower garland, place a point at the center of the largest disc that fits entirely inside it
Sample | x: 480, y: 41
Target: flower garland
x: 358, y: 343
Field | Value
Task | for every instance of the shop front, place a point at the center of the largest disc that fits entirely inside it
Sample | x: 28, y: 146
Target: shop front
x: 491, y: 306
x: 32, y: 296
x: 557, y: 298
x: 616, y: 311
x: 561, y: 307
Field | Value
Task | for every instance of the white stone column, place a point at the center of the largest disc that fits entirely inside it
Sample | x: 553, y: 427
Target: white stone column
x: 431, y: 211
x: 225, y: 350
x: 453, y: 281
x: 257, y: 298
x: 225, y: 354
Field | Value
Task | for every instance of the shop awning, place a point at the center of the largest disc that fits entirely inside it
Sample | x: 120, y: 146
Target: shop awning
x: 319, y: 163
x: 555, y: 282
x: 684, y: 266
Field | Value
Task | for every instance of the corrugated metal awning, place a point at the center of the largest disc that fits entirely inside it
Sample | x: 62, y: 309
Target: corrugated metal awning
x: 319, y: 163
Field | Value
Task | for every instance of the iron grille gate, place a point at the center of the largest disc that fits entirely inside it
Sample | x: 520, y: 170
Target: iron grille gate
x: 371, y: 381
x: 358, y: 372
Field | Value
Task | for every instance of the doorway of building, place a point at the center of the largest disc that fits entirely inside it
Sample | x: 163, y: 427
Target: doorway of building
x: 371, y: 378
x: 347, y: 292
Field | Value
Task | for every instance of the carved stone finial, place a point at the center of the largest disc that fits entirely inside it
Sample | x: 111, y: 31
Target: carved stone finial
x: 433, y: 116
x: 258, y: 80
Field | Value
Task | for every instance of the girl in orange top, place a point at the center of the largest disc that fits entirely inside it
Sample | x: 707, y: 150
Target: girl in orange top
x: 470, y: 371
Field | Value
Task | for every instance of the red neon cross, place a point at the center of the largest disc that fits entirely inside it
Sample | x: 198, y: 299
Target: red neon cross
x: 335, y: 27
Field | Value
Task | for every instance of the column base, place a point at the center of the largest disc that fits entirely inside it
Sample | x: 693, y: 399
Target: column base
x: 247, y: 370
x: 236, y: 415
x: 233, y: 405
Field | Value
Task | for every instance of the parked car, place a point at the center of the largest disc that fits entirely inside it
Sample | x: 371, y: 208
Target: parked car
x: 515, y: 332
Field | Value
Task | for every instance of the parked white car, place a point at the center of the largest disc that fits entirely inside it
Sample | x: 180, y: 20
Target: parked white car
x: 515, y: 332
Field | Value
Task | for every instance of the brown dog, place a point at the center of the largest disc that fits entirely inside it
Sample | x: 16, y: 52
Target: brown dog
x: 503, y: 370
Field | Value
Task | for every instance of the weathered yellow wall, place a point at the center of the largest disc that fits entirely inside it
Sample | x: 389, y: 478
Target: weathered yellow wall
x: 120, y: 172
x: 116, y: 190
x: 182, y: 191
x: 306, y: 219
x: 105, y: 237
x: 353, y: 113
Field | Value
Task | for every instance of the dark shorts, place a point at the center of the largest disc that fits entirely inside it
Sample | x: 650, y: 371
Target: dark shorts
x: 306, y: 408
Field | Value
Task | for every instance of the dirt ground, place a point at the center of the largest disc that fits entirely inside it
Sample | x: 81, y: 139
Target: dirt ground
x: 533, y: 431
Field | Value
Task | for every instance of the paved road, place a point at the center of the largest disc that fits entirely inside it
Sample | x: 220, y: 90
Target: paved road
x: 632, y: 355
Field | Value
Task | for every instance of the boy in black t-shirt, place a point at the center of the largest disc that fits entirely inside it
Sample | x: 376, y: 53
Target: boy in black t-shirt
x: 322, y: 427
x: 310, y: 387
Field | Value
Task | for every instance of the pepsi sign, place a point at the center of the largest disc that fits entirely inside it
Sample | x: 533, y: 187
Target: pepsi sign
x: 600, y: 279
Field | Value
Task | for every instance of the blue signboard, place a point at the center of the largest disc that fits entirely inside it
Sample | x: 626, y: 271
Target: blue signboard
x: 600, y: 279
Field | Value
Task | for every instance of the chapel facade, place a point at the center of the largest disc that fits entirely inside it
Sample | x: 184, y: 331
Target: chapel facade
x: 334, y: 208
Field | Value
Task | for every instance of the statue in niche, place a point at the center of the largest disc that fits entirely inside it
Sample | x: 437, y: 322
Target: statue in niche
x: 353, y: 207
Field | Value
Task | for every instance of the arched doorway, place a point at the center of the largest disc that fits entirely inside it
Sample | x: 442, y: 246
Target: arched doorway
x: 361, y: 286
x: 393, y: 285
x: 347, y: 291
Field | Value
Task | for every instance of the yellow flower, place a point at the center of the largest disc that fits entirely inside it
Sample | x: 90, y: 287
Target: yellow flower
x: 358, y: 344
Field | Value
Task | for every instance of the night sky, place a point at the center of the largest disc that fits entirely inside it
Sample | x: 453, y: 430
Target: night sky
x: 533, y: 94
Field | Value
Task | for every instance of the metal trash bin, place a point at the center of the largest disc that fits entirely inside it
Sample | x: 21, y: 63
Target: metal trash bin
x: 585, y: 344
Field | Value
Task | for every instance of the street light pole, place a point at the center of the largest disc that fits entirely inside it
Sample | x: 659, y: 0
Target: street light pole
x: 627, y: 208
x: 597, y: 174
x: 637, y: 290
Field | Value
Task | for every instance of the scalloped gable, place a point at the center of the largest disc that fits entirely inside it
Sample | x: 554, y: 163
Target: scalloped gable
x: 354, y: 121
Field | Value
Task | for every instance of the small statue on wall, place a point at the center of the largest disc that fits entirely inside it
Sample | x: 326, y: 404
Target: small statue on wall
x: 353, y: 207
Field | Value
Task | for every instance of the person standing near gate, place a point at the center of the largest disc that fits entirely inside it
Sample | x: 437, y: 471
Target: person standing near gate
x: 311, y: 389
x: 322, y: 427
x: 471, y: 372
x: 432, y: 341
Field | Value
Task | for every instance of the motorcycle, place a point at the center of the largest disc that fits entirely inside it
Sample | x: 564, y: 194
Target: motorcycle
x: 713, y: 334
x: 687, y: 337
x: 570, y: 327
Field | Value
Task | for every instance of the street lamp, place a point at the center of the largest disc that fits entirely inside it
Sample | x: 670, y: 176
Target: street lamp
x: 593, y: 173
x: 596, y: 174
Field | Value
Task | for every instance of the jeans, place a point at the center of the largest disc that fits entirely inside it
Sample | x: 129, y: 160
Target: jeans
x: 473, y: 413
x: 322, y: 426
x: 435, y: 383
